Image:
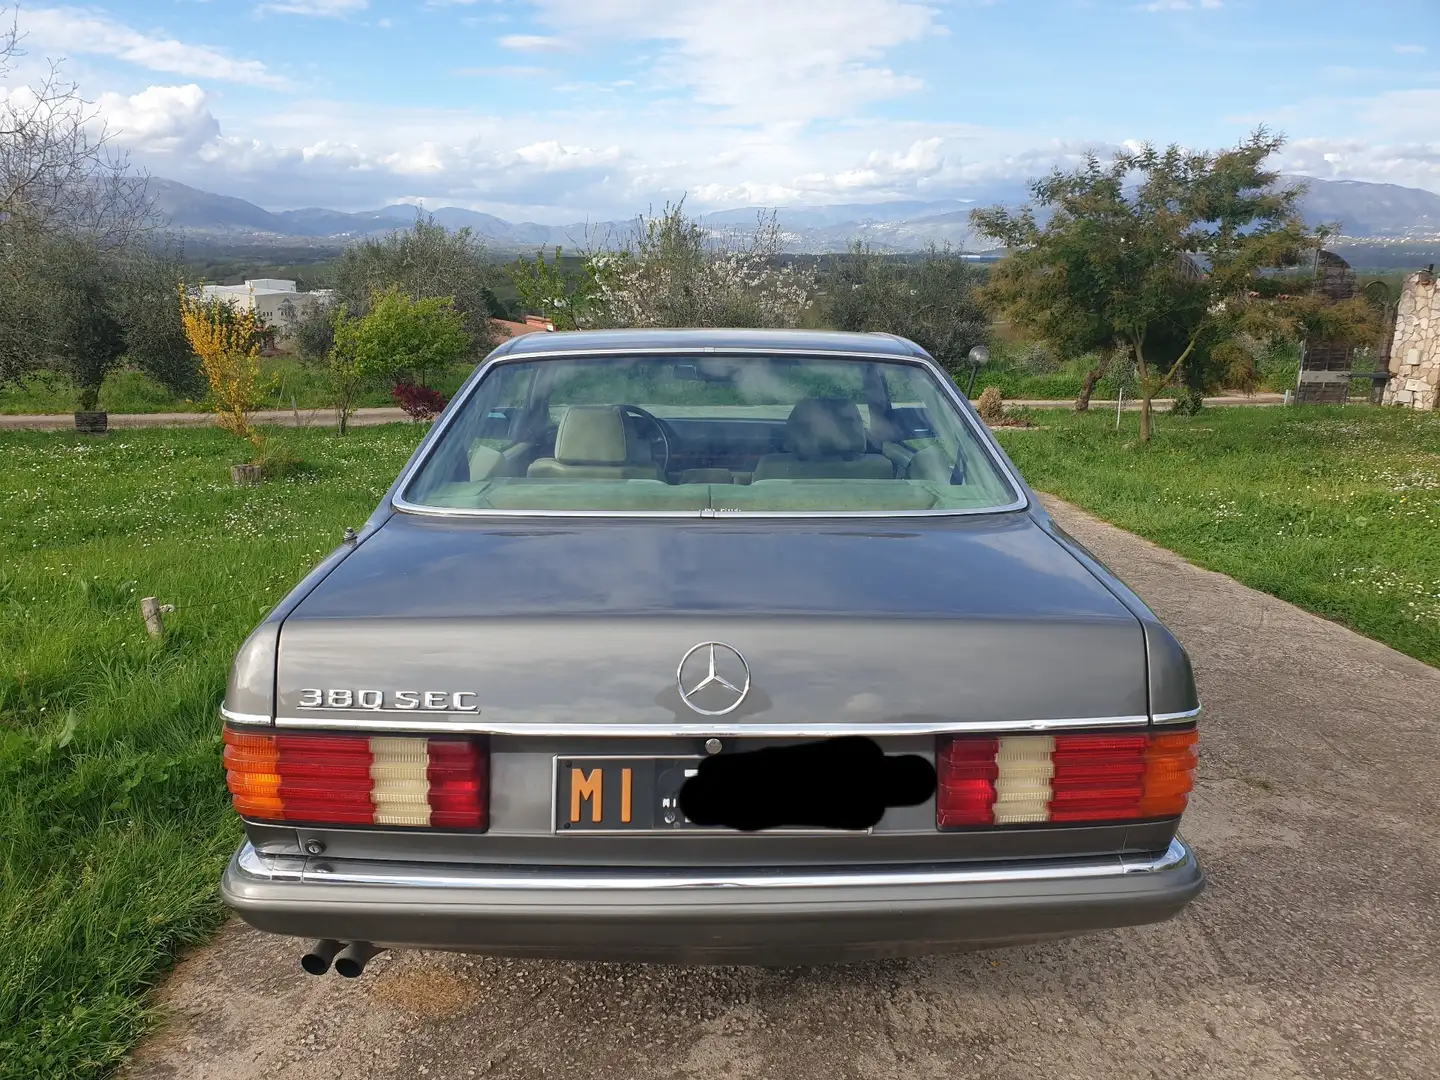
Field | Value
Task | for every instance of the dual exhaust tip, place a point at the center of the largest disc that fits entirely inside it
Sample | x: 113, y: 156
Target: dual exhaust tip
x: 349, y: 960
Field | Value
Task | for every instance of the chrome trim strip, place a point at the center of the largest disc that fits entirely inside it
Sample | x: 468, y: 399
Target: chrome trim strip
x: 982, y: 435
x: 320, y: 871
x: 257, y: 719
x: 1178, y: 854
x: 1178, y: 717
x: 395, y: 712
x: 818, y: 730
x: 269, y: 867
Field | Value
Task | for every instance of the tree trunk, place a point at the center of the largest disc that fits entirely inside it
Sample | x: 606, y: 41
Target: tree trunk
x: 1146, y: 391
x: 1082, y: 403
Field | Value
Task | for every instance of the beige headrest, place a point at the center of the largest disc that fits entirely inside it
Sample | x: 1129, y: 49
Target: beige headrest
x: 591, y: 435
x: 825, y: 428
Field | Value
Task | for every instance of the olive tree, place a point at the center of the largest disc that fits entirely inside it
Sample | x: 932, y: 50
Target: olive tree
x: 85, y: 278
x: 1151, y: 254
x: 933, y: 299
x: 424, y: 262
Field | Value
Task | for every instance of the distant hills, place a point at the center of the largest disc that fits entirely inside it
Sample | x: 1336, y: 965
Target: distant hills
x: 1377, y: 212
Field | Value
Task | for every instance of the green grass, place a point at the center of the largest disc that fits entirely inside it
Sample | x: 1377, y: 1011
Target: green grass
x: 1335, y: 509
x: 113, y: 819
x: 114, y: 824
x: 127, y: 391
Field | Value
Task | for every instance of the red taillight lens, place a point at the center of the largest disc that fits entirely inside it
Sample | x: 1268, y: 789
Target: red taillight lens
x: 359, y: 780
x: 1033, y: 779
x: 965, y: 792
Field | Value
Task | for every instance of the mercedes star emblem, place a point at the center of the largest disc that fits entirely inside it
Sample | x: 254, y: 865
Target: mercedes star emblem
x: 707, y: 678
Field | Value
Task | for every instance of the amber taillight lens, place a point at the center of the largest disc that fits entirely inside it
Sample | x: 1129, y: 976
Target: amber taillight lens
x: 1037, y: 779
x: 359, y: 780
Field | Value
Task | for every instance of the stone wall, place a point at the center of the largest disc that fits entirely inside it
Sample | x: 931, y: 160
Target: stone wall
x: 1415, y: 353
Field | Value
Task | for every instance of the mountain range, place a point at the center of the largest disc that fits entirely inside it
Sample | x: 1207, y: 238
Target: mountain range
x: 1362, y: 210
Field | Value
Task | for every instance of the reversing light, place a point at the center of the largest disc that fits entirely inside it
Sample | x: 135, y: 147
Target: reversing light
x: 359, y: 780
x: 1034, y: 779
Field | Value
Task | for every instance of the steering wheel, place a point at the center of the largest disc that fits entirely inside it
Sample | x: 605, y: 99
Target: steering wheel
x: 657, y: 434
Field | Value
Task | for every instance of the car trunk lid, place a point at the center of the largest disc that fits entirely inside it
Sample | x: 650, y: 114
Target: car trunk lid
x: 526, y: 628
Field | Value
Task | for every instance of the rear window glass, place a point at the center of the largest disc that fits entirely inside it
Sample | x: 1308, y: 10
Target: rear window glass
x: 685, y: 434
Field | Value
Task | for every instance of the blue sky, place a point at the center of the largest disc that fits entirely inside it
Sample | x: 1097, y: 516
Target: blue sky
x: 555, y: 110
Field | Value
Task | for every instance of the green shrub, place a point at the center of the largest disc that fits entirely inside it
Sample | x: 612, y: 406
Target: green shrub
x: 1278, y: 367
x: 1188, y: 402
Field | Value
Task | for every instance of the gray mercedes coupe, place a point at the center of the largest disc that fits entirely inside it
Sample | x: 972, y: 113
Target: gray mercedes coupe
x: 708, y: 646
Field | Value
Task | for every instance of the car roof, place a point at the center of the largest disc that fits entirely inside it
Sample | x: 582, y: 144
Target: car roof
x: 719, y: 340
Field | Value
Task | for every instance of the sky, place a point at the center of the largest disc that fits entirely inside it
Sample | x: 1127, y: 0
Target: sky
x: 562, y: 110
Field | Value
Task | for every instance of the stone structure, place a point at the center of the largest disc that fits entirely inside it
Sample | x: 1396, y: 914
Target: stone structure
x: 1415, y: 351
x: 1325, y: 366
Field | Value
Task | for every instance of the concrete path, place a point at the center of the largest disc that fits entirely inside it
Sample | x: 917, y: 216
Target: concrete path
x: 368, y: 417
x: 1315, y: 951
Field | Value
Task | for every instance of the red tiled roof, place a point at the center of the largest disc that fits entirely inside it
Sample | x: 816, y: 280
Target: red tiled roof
x: 515, y: 329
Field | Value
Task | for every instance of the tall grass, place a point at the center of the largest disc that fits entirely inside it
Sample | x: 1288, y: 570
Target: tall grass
x: 1335, y: 509
x: 113, y: 818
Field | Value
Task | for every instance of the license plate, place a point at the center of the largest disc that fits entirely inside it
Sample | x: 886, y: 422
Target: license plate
x: 621, y: 794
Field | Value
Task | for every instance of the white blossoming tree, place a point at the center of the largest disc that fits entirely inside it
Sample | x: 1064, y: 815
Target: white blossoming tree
x: 672, y: 271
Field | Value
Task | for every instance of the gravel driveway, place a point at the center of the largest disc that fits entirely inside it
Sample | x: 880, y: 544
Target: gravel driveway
x: 1315, y: 952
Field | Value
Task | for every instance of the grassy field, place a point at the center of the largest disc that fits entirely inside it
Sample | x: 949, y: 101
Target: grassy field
x: 1334, y: 509
x: 126, y: 391
x: 290, y: 382
x: 113, y: 818
x: 1020, y: 373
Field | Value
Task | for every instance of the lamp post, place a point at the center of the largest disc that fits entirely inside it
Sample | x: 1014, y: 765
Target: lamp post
x: 979, y: 357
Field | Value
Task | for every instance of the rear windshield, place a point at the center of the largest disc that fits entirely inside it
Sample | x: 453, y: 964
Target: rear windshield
x: 681, y: 434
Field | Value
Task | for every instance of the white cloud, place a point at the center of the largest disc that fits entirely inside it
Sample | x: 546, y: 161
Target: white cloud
x: 1399, y: 145
x: 761, y: 61
x: 530, y: 41
x: 1415, y: 50
x: 325, y: 9
x: 727, y: 107
x: 551, y: 156
x: 924, y: 157
x: 78, y: 31
x: 160, y: 119
x: 518, y: 71
x: 1182, y: 5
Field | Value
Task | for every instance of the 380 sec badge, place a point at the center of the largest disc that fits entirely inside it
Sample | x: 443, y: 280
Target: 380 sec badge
x: 456, y: 701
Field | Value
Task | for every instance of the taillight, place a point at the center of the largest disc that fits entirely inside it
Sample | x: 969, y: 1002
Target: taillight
x: 1033, y: 779
x: 359, y: 780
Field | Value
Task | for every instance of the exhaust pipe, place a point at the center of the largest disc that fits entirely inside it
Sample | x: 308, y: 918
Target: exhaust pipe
x: 350, y: 964
x: 316, y: 959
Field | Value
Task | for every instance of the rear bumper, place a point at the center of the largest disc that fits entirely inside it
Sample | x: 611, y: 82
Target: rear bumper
x: 738, y: 917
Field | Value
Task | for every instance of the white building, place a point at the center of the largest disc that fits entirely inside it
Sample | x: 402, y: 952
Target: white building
x: 268, y: 298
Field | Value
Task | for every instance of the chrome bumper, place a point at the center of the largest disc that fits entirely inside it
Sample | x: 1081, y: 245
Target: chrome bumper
x: 722, y: 916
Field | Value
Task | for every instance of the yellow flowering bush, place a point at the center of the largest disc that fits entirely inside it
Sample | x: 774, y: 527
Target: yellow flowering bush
x: 227, y: 340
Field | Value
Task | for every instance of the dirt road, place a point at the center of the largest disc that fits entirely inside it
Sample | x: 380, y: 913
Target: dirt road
x: 1315, y: 952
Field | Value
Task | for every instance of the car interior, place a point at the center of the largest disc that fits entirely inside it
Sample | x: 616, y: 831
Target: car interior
x: 780, y: 449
